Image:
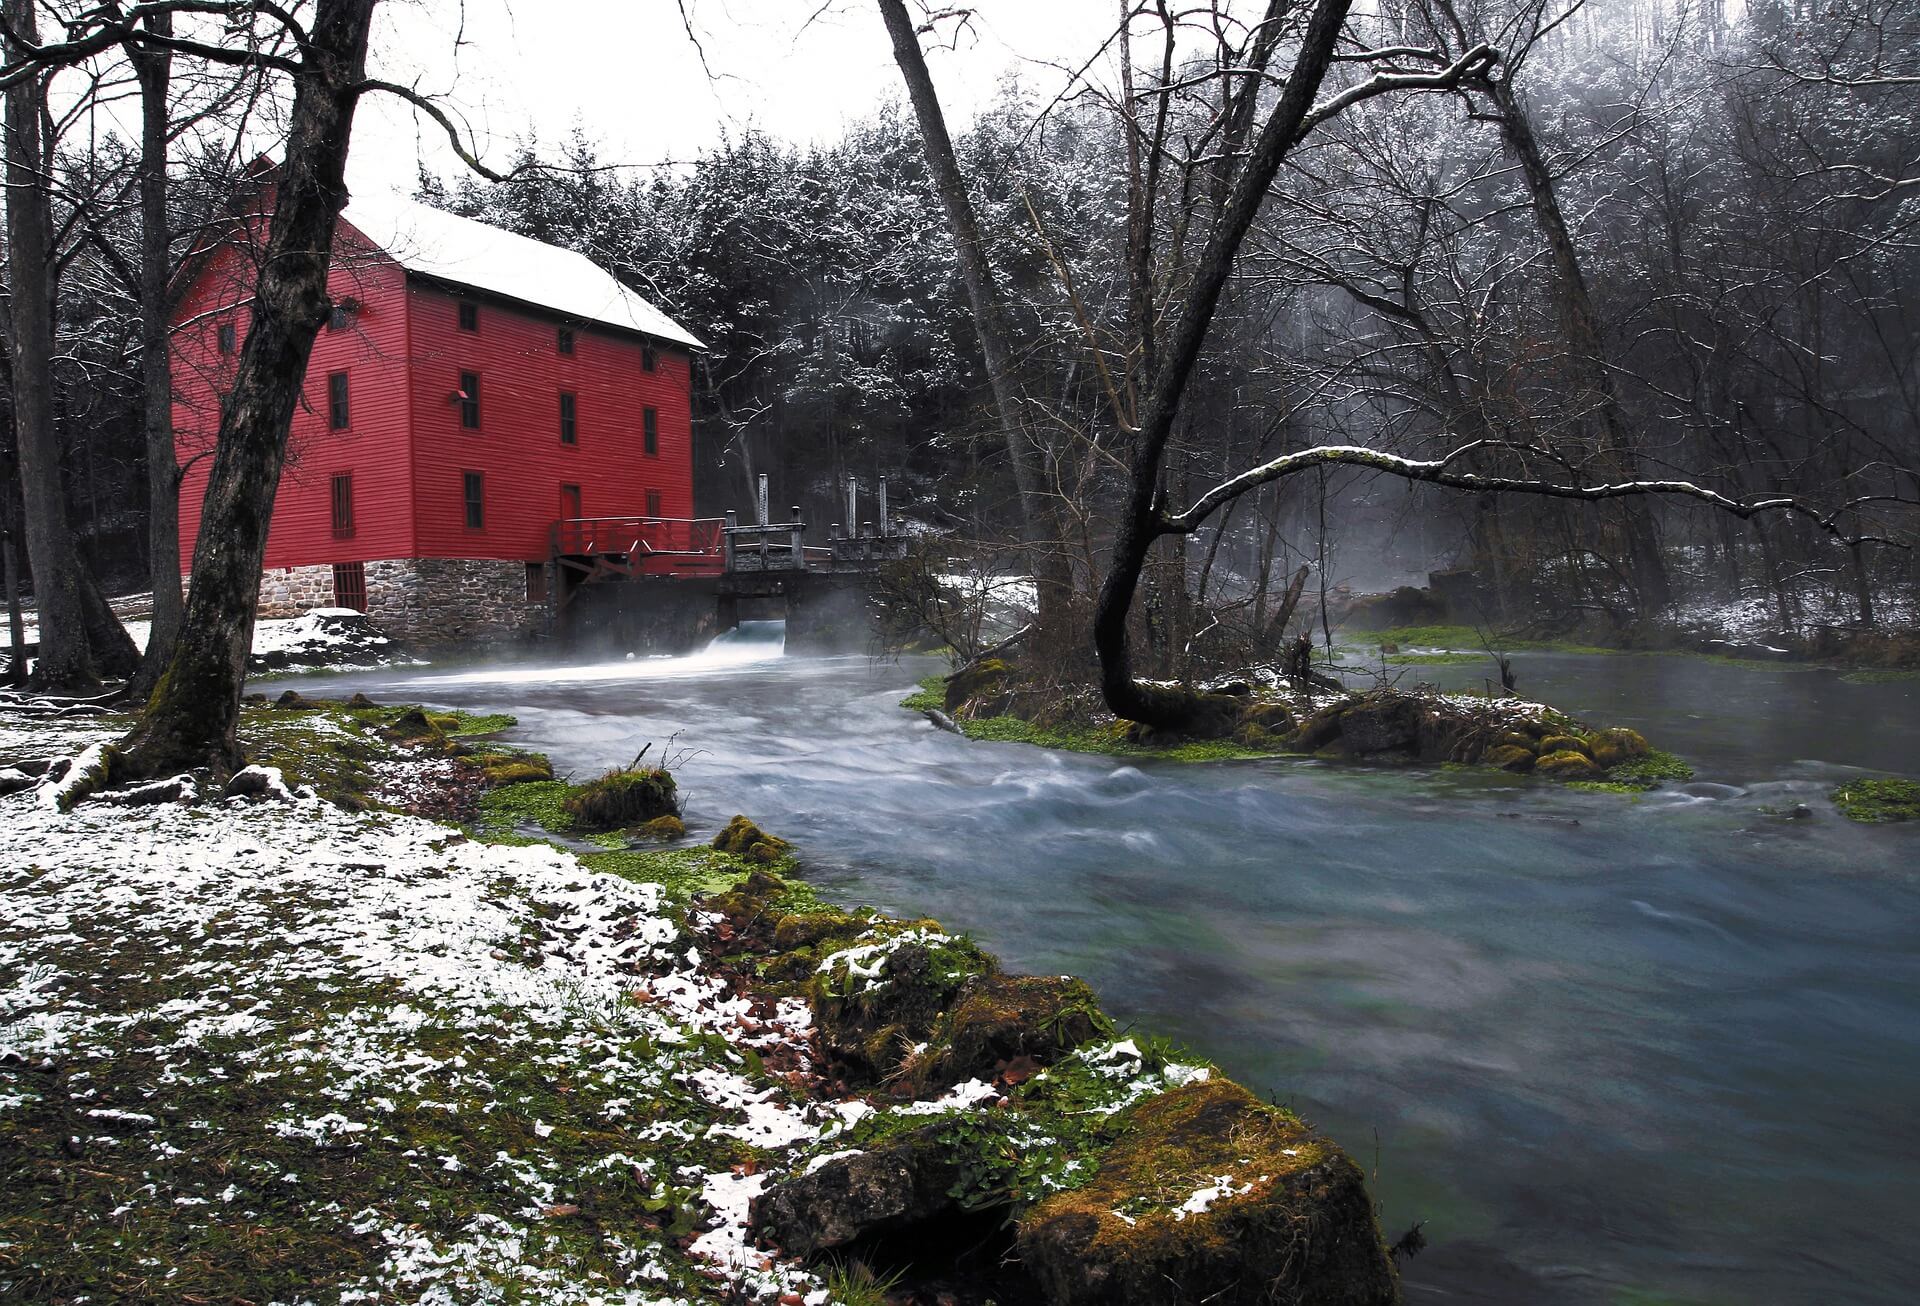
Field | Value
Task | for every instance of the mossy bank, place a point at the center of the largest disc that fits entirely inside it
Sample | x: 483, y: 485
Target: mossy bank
x: 446, y: 1063
x: 1278, y: 718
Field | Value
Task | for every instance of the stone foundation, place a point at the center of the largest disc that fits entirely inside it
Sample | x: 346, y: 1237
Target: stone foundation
x: 420, y: 601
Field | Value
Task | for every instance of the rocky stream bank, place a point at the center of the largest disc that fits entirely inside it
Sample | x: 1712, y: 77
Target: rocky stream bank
x: 410, y: 1018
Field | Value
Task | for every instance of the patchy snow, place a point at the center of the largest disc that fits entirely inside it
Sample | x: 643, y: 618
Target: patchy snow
x: 1203, y: 1199
x: 374, y: 968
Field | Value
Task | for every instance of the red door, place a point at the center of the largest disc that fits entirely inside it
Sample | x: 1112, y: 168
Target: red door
x: 570, y: 501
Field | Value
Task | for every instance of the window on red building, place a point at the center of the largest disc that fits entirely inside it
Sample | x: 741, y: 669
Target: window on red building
x: 564, y: 340
x: 569, y: 418
x: 469, y: 316
x: 337, y: 415
x: 350, y: 585
x: 341, y: 317
x: 650, y: 431
x: 342, y: 496
x: 649, y: 359
x: 473, y: 490
x: 228, y: 336
x: 536, y: 582
x: 470, y: 401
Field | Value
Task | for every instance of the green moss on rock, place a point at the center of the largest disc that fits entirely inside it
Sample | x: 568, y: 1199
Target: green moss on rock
x: 1509, y: 757
x: 748, y: 841
x: 1566, y: 764
x: 1209, y: 1189
x: 620, y: 800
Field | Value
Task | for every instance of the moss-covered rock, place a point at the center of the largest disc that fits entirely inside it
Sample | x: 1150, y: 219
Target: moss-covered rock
x: 1615, y: 745
x: 1878, y: 800
x: 664, y: 828
x: 875, y: 1002
x: 1564, y: 744
x: 810, y: 929
x: 516, y: 770
x: 620, y: 800
x: 746, y: 840
x: 1509, y: 757
x: 1211, y: 1196
x: 1275, y: 718
x: 412, y: 726
x: 1567, y: 764
x: 997, y: 1020
x: 976, y: 681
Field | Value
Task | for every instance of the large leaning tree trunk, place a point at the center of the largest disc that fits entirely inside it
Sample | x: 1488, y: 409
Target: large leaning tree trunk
x: 1039, y: 521
x: 154, y: 67
x: 65, y: 661
x: 1140, y: 522
x: 191, y: 719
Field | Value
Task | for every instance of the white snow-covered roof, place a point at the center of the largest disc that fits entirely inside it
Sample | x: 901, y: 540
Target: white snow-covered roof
x: 450, y: 248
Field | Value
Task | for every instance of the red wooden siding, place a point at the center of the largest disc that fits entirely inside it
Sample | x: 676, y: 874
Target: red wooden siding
x: 516, y: 354
x: 405, y: 448
x: 372, y: 449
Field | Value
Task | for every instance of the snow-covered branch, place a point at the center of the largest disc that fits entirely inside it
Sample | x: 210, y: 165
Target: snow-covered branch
x: 1445, y: 471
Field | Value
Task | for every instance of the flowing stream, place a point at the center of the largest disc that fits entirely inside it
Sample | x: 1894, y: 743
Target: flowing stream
x: 1610, y: 1050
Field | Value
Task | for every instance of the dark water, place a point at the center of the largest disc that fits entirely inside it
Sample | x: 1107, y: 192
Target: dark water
x: 1610, y: 1051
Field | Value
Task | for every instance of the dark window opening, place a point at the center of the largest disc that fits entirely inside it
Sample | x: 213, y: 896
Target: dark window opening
x: 650, y: 431
x: 350, y: 585
x: 649, y: 358
x: 570, y: 502
x: 536, y: 582
x: 343, y: 507
x: 653, y: 503
x: 470, y: 401
x: 228, y: 335
x: 337, y: 414
x: 564, y: 341
x: 469, y: 316
x: 569, y: 418
x: 473, y: 491
x: 341, y: 318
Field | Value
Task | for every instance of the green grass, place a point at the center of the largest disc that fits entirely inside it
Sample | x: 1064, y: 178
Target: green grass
x: 1879, y: 677
x: 1460, y: 638
x: 1433, y: 659
x: 1108, y: 738
x: 1873, y: 801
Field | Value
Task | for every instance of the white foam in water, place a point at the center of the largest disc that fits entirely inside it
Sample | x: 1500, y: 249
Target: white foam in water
x: 748, y: 643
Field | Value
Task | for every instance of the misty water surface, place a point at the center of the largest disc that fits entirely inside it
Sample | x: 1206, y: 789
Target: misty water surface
x: 1609, y: 1050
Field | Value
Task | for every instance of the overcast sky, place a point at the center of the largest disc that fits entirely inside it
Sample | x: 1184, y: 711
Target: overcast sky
x: 626, y: 71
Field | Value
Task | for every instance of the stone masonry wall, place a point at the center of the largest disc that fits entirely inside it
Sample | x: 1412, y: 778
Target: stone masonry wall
x: 420, y: 601
x: 290, y: 591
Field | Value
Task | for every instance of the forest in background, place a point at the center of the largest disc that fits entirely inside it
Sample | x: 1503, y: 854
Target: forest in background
x: 1662, y: 243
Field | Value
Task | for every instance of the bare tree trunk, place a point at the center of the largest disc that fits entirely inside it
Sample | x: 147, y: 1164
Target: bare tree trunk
x: 191, y: 719
x: 1039, y: 527
x: 154, y: 68
x: 1140, y: 521
x: 1648, y: 568
x: 66, y: 661
x: 10, y: 575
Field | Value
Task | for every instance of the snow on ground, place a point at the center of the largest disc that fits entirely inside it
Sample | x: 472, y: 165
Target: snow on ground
x: 318, y: 637
x: 417, y: 1055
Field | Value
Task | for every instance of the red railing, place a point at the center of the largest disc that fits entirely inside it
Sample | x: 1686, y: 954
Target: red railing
x: 653, y: 546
